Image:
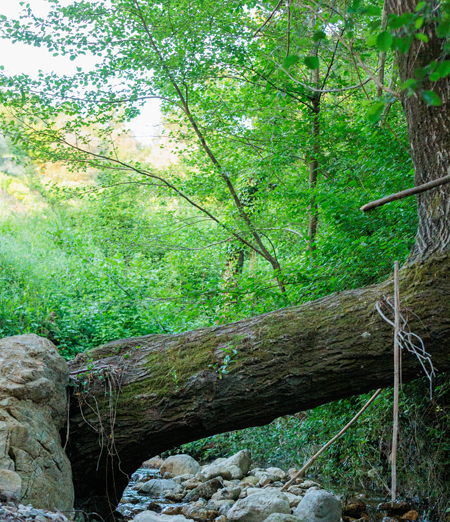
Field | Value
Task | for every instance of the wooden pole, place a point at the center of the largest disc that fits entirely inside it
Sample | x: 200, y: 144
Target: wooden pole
x: 396, y: 384
x: 329, y: 443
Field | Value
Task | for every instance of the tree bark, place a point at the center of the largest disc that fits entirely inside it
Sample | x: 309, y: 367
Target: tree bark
x: 172, y: 392
x: 429, y: 136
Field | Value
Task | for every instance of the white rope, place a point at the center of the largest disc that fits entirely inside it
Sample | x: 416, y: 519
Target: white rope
x: 409, y: 341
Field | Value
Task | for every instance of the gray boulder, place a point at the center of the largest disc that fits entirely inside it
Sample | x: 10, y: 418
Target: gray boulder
x: 228, y: 493
x: 225, y: 507
x: 319, y: 505
x: 257, y: 507
x: 242, y: 460
x: 180, y: 465
x: 214, y: 471
x: 156, y: 487
x: 205, y: 490
x: 33, y: 410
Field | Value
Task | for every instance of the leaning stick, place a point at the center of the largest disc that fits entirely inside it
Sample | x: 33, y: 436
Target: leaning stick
x: 329, y: 443
x: 406, y: 193
x: 396, y: 385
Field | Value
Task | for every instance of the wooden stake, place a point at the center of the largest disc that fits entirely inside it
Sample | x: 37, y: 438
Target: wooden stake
x: 329, y: 443
x: 396, y: 384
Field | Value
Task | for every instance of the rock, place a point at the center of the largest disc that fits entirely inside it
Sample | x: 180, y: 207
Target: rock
x: 10, y: 485
x: 227, y: 493
x: 294, y: 500
x: 222, y: 518
x: 172, y: 510
x: 138, y: 486
x: 277, y: 472
x: 180, y: 479
x: 292, y: 472
x: 411, y: 515
x: 179, y: 465
x: 219, y: 470
x: 295, y: 490
x: 257, y: 507
x: 354, y: 508
x: 250, y: 480
x: 205, y: 490
x: 153, y: 463
x: 308, y: 484
x: 174, y: 496
x: 33, y: 410
x: 156, y: 487
x: 242, y: 460
x: 400, y: 507
x: 266, y: 478
x: 151, y: 516
x: 252, y: 491
x: 192, y: 483
x: 319, y: 506
x: 199, y: 514
x: 280, y: 517
x: 236, y: 472
x: 225, y: 508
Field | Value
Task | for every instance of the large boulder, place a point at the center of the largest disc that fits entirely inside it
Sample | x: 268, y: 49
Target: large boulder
x: 319, y: 505
x: 33, y: 410
x: 281, y: 517
x: 214, y: 471
x: 257, y: 507
x: 242, y: 459
x: 156, y: 487
x: 205, y: 490
x: 180, y: 465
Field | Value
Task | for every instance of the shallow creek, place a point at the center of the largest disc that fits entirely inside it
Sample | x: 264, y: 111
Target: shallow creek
x: 134, y: 502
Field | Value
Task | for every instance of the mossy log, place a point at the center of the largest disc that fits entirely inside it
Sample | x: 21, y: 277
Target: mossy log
x: 144, y: 395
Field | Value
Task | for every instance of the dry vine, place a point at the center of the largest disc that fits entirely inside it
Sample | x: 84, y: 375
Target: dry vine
x: 85, y: 381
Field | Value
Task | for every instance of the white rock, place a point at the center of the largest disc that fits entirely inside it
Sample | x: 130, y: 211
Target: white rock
x: 155, y: 487
x: 258, y: 506
x: 10, y: 484
x: 180, y: 465
x: 319, y: 506
x: 151, y: 516
x: 278, y: 472
x: 242, y: 460
x: 214, y: 471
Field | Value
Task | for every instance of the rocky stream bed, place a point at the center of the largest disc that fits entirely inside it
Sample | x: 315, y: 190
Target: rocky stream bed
x: 179, y: 489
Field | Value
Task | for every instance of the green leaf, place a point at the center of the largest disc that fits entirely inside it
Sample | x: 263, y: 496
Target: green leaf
x: 422, y: 37
x: 319, y: 35
x: 409, y: 84
x: 443, y: 68
x: 419, y: 22
x: 375, y: 111
x: 312, y: 62
x: 72, y: 57
x: 372, y: 10
x: 372, y: 40
x: 420, y: 6
x: 290, y: 60
x: 443, y: 28
x: 431, y: 98
x: 384, y: 41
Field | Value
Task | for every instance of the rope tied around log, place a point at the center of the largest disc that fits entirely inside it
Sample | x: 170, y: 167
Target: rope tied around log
x: 408, y: 340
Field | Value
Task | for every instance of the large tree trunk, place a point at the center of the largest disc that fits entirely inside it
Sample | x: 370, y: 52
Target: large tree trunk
x: 287, y: 361
x: 429, y: 136
x: 144, y: 395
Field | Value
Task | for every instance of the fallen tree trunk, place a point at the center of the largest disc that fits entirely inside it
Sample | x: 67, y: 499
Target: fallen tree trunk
x: 138, y: 397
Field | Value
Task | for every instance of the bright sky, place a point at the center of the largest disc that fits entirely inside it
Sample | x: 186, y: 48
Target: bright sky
x: 20, y: 58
